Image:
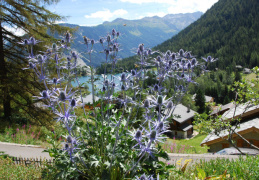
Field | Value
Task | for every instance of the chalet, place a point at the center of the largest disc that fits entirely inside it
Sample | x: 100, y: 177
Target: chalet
x: 181, y: 122
x: 222, y: 109
x: 248, y: 128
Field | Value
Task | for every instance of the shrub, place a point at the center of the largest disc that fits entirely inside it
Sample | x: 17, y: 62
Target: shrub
x: 103, y: 143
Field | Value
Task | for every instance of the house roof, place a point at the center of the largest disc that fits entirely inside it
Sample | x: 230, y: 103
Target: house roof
x: 222, y: 108
x: 241, y: 110
x: 181, y: 113
x: 248, y: 126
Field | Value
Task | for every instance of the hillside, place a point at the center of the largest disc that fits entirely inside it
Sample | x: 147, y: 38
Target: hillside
x: 229, y: 31
x: 150, y: 30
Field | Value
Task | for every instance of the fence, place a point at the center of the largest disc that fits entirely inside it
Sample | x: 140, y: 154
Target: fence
x: 31, y: 161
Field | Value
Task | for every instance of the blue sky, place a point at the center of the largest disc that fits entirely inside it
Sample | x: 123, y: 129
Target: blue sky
x: 94, y: 12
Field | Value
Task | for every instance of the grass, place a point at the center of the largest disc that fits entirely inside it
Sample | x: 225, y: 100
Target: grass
x: 243, y: 168
x: 185, y: 146
x: 28, y: 134
x: 10, y: 170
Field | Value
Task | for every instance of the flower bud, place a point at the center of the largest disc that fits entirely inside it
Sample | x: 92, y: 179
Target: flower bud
x: 141, y: 48
x: 73, y: 103
x: 158, y: 58
x: 153, y: 135
x: 54, y: 80
x: 31, y: 65
x: 146, y: 103
x: 113, y: 32
x: 138, y: 135
x: 40, y: 58
x: 54, y: 46
x: 69, y: 139
x: 133, y: 72
x: 156, y: 87
x: 101, y: 41
x: 160, y: 99
x: 62, y: 96
x: 85, y: 40
x: 123, y: 87
x: 45, y: 94
x: 169, y: 105
x: 173, y: 56
x: 123, y: 77
x: 26, y: 42
x: 108, y: 38
x: 194, y: 61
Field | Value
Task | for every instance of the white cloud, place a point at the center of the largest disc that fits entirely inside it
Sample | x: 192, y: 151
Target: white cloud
x: 159, y: 14
x: 16, y: 31
x: 106, y: 14
x: 59, y: 22
x: 179, y: 6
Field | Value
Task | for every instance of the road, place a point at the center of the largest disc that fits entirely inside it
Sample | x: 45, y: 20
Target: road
x: 28, y: 151
x: 24, y: 151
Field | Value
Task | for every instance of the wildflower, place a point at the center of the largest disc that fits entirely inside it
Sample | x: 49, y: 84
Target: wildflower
x: 24, y: 42
x: 209, y: 59
x: 63, y: 96
x: 44, y: 95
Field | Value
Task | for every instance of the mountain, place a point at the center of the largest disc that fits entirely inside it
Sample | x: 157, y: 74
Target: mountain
x: 149, y: 30
x: 229, y: 30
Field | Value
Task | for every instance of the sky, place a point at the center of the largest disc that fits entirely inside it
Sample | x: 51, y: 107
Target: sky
x: 95, y: 12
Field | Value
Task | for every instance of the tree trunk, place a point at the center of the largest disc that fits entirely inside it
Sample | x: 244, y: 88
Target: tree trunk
x: 3, y: 78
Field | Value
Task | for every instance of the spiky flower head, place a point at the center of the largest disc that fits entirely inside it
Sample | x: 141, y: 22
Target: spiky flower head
x: 160, y: 99
x: 85, y: 39
x: 133, y: 72
x: 152, y: 135
x: 54, y: 80
x: 173, y: 56
x: 194, y: 61
x: 146, y: 103
x: 45, y: 94
x: 141, y: 48
x: 69, y: 139
x: 156, y: 87
x: 73, y: 103
x: 113, y: 32
x: 108, y: 38
x: 62, y: 96
x: 158, y: 58
x: 123, y: 87
x: 138, y: 135
x: 31, y: 65
x: 169, y: 105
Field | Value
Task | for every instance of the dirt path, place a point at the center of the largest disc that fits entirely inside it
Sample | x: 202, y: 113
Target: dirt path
x: 24, y: 151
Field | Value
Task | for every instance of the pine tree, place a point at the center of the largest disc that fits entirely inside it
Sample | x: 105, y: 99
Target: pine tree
x: 17, y: 86
x: 200, y: 100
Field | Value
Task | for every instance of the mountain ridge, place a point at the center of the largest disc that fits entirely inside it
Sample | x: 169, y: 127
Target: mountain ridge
x: 148, y: 30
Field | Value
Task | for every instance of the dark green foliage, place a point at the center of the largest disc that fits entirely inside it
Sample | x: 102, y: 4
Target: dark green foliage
x: 228, y: 31
x: 200, y: 100
x: 17, y: 86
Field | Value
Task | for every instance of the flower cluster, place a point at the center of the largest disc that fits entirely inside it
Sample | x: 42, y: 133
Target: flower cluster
x: 110, y: 127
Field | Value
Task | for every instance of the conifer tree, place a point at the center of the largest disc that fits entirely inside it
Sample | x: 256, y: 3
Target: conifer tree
x: 200, y: 100
x: 17, y: 86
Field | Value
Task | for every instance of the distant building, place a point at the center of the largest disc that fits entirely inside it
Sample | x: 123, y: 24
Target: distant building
x: 207, y: 98
x: 247, y: 71
x: 181, y: 123
x: 249, y: 128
